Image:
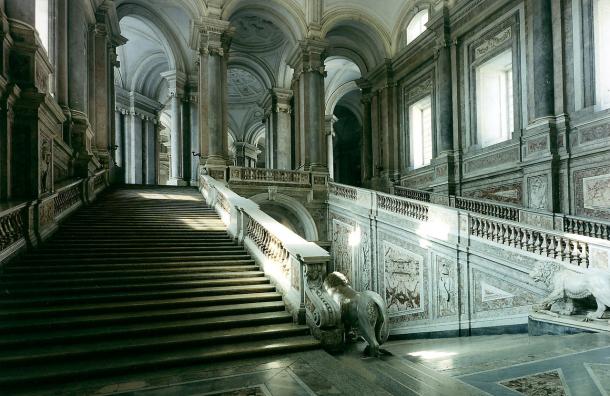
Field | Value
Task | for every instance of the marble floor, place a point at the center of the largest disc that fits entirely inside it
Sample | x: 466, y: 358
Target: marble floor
x: 498, y: 365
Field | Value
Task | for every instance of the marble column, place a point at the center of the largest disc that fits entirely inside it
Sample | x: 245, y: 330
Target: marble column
x: 101, y: 93
x: 176, y: 82
x: 23, y: 10
x: 367, y: 133
x: 118, y: 138
x: 61, y: 69
x: 212, y: 39
x: 329, y: 129
x: 278, y: 134
x: 308, y: 64
x: 444, y: 98
x: 195, y: 146
x: 150, y: 173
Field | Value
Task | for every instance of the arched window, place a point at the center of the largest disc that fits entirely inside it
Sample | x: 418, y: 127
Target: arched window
x: 601, y: 37
x: 42, y: 22
x: 417, y: 25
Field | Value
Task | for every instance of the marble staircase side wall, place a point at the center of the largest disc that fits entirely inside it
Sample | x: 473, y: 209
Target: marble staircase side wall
x: 435, y: 274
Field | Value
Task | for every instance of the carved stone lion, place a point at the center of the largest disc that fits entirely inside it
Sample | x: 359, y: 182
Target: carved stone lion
x: 567, y: 285
x: 365, y: 311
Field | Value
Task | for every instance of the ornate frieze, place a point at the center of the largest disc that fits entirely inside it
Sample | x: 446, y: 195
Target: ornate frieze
x: 509, y: 193
x: 588, y: 185
x: 493, y: 159
x: 492, y: 43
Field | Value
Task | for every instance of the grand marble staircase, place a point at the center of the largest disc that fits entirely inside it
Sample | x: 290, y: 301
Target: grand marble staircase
x: 143, y: 279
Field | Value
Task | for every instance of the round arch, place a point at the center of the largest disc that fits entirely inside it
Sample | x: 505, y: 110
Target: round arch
x: 294, y: 207
x: 171, y: 45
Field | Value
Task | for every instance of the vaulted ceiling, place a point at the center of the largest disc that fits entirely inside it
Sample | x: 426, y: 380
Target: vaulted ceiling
x: 360, y: 36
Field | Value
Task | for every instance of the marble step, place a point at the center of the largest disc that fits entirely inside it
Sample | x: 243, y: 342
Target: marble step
x: 135, y: 306
x: 11, y: 284
x: 71, y: 335
x: 23, y: 268
x: 11, y: 326
x: 75, y: 246
x: 219, y: 255
x: 122, y: 345
x: 77, y: 287
x: 44, y: 255
x: 67, y: 274
x: 129, y: 295
x: 16, y: 377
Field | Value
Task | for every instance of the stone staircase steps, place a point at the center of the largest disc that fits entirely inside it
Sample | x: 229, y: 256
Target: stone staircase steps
x: 115, y: 365
x: 143, y: 279
x: 25, y: 289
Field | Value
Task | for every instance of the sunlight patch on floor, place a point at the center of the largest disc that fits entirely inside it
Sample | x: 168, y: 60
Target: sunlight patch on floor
x: 176, y: 197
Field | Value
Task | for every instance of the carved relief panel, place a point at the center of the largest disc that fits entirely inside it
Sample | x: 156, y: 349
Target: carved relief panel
x: 404, y: 280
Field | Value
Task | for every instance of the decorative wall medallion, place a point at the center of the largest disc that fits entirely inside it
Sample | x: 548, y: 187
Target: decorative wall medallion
x: 404, y: 280
x: 492, y: 293
x: 493, y: 43
x: 341, y: 249
x: 548, y: 383
x: 447, y: 285
x: 596, y: 192
x: 537, y: 192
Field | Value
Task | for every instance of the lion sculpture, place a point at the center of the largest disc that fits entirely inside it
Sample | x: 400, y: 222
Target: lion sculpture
x: 566, y: 285
x: 365, y: 311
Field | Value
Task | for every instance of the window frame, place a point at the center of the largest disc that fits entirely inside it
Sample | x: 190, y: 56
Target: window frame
x: 410, y: 109
x: 417, y: 88
x: 510, y: 119
x: 513, y: 20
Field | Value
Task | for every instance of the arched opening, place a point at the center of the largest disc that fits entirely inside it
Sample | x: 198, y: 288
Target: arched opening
x: 343, y: 120
x: 289, y: 212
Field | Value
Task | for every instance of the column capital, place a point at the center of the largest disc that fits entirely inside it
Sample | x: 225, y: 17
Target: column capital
x: 309, y: 56
x: 277, y: 100
x: 176, y: 81
x: 211, y: 36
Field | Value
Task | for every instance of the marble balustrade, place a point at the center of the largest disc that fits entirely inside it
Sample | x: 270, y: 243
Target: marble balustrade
x: 450, y: 269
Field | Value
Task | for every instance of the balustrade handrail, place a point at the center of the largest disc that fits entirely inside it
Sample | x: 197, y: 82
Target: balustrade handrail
x: 269, y: 175
x: 298, y: 247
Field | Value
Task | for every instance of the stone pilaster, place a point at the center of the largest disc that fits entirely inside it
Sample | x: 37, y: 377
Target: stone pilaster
x: 211, y: 37
x: 308, y: 64
x: 444, y: 155
x: 539, y: 142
